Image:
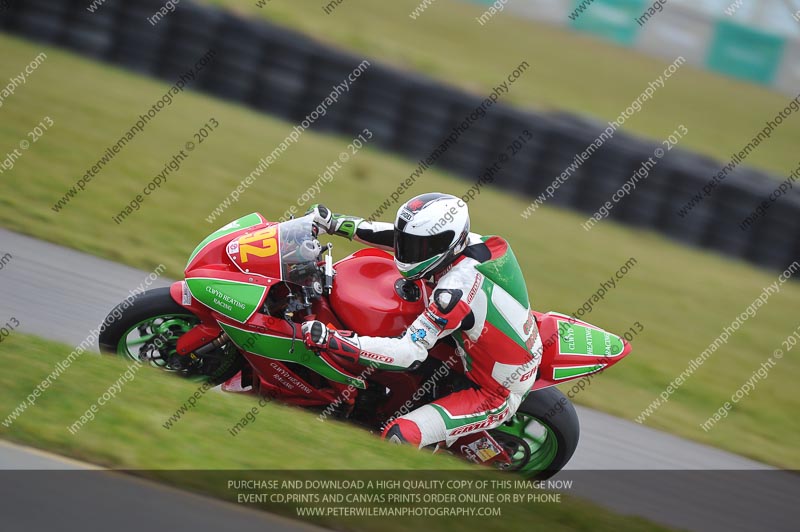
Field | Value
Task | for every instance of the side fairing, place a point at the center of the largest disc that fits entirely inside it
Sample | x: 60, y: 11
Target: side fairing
x: 286, y: 350
x: 234, y: 299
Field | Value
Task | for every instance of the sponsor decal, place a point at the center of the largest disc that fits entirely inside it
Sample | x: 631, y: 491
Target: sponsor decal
x: 583, y: 340
x: 569, y: 338
x: 589, y: 341
x: 376, y: 356
x: 186, y: 295
x: 475, y: 287
x: 406, y: 215
x: 234, y: 299
x: 228, y: 299
x: 483, y: 449
x: 530, y: 343
x: 528, y: 327
x: 418, y: 334
x: 425, y: 323
x: 281, y: 375
x: 470, y: 454
x: 491, y: 419
x: 437, y: 322
x: 528, y: 375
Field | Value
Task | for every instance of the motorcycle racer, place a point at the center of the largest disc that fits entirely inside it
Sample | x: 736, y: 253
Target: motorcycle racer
x: 479, y: 299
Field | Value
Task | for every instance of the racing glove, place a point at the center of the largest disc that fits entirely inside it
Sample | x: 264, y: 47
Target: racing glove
x: 336, y: 224
x: 317, y: 336
x: 323, y: 217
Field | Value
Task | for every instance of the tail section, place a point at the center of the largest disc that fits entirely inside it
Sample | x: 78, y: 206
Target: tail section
x: 573, y: 348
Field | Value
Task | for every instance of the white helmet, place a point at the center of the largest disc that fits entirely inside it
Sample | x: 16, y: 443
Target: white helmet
x: 429, y: 232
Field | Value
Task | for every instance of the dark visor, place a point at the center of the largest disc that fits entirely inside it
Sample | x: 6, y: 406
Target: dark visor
x: 418, y: 248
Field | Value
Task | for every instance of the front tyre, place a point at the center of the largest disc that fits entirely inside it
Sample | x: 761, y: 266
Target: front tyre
x: 147, y: 330
x: 541, y: 436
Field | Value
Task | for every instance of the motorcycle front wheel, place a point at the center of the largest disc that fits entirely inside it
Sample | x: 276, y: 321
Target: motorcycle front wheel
x: 147, y: 330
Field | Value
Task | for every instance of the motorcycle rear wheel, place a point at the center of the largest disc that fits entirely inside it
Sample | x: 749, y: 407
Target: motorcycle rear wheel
x: 541, y: 436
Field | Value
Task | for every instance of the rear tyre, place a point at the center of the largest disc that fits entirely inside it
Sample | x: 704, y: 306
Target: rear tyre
x: 541, y: 436
x: 147, y: 330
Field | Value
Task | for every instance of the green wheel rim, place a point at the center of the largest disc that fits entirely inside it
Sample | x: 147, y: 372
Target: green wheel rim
x: 157, y: 334
x: 535, y: 439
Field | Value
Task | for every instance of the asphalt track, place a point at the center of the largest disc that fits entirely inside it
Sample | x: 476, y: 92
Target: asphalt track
x: 61, y: 294
x: 54, y: 493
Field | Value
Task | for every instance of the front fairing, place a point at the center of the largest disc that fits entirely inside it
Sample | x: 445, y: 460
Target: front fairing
x: 288, y: 251
x: 233, y: 269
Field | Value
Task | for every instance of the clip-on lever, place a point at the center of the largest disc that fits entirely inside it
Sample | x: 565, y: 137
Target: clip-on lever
x: 328, y: 270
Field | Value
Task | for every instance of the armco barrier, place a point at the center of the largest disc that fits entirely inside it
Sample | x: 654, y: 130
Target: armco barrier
x: 287, y: 74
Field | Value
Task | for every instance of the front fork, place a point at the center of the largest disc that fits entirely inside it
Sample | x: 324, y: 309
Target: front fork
x: 204, y: 337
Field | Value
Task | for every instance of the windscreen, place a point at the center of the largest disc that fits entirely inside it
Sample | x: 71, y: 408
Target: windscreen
x: 299, y: 251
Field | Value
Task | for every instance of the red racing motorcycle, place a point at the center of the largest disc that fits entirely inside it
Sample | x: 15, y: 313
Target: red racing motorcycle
x: 235, y: 321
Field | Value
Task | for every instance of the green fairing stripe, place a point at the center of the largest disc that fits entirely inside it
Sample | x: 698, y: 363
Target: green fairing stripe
x: 576, y: 339
x: 575, y: 371
x: 494, y: 317
x: 277, y: 348
x: 234, y: 299
x: 505, y: 271
x: 244, y: 222
x: 451, y: 423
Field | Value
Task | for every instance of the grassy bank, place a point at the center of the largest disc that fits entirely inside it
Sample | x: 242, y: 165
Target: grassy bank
x: 128, y: 432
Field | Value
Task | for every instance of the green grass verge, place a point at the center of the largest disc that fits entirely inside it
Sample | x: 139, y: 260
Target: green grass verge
x: 570, y: 71
x: 683, y: 297
x: 127, y: 433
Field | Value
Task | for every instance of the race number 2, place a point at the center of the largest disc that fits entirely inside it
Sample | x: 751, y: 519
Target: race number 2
x: 260, y: 244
